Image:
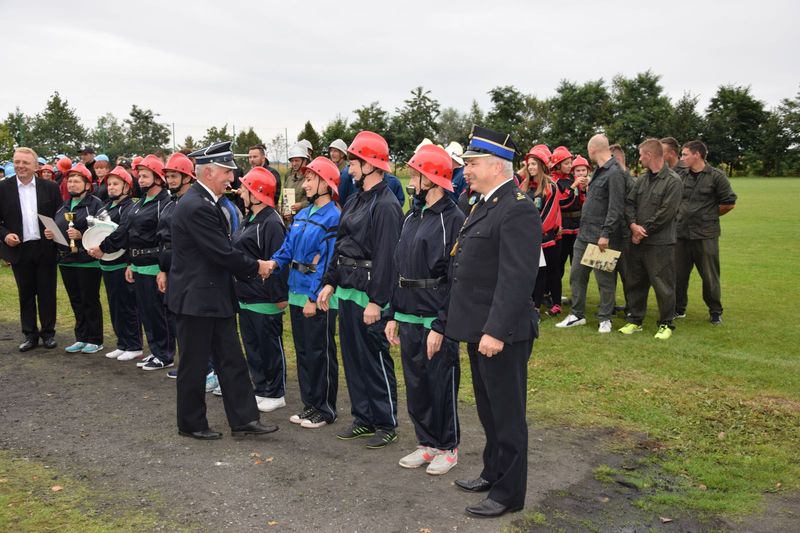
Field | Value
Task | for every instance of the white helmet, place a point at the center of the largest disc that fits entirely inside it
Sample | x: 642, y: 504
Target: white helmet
x: 424, y: 142
x: 307, y: 144
x: 340, y: 145
x: 298, y: 150
x: 455, y: 151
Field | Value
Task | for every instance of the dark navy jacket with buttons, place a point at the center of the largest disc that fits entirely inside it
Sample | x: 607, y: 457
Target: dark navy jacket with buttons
x: 368, y: 230
x: 311, y: 240
x: 423, y: 252
x: 494, y: 270
x: 89, y: 205
x: 139, y: 231
x: 259, y: 238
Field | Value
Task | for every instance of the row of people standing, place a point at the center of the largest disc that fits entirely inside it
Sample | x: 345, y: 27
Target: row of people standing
x: 665, y: 223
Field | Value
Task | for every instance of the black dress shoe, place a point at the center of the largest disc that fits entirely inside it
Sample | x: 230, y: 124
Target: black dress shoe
x: 204, y: 434
x: 253, y: 428
x: 473, y: 485
x: 29, y: 344
x: 49, y: 342
x: 489, y: 508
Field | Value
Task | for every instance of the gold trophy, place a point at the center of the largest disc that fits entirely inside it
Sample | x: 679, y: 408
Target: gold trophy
x: 69, y: 216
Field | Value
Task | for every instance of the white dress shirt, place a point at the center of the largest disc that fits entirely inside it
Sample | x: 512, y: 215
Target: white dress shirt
x: 30, y: 210
x: 206, y: 187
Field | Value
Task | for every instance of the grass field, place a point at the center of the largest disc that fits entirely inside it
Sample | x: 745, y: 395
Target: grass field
x: 721, y: 404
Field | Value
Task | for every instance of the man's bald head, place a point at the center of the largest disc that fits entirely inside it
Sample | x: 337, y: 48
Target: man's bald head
x: 598, y: 149
x: 598, y: 142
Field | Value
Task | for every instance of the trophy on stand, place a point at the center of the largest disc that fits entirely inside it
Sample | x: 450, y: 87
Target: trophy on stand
x: 69, y: 216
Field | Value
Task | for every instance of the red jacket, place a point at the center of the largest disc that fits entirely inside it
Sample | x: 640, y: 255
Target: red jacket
x: 571, y: 202
x: 549, y: 211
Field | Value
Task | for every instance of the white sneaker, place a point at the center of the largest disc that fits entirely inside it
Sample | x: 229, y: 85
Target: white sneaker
x: 267, y: 405
x: 116, y: 353
x: 443, y: 462
x: 218, y: 391
x: 144, y: 361
x: 131, y: 355
x: 571, y: 321
x: 605, y: 327
x: 419, y: 457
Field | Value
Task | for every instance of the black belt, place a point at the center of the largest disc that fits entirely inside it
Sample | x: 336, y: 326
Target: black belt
x: 304, y: 268
x: 349, y: 261
x: 422, y: 283
x: 139, y: 252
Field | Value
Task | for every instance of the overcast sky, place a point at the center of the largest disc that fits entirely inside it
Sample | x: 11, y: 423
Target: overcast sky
x: 274, y: 65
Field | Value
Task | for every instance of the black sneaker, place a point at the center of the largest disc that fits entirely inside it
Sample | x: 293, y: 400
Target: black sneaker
x: 716, y: 319
x: 680, y: 313
x: 316, y: 420
x: 157, y: 364
x: 355, y: 431
x: 298, y: 418
x: 381, y: 439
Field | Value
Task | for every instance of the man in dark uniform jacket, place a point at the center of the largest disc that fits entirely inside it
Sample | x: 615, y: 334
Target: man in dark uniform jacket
x: 494, y: 271
x: 201, y: 294
x: 32, y: 257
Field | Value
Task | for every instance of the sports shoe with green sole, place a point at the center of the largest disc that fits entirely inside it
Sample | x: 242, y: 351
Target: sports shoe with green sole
x: 664, y: 332
x: 354, y: 431
x: 630, y: 328
x: 381, y: 439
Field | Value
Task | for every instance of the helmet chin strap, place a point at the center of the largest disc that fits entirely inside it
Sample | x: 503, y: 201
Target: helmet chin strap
x: 360, y: 183
x: 317, y: 195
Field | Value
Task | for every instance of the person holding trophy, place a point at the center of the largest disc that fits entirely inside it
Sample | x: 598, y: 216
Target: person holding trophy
x: 80, y: 272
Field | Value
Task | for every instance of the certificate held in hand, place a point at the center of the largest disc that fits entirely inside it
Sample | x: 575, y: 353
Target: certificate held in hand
x: 606, y: 260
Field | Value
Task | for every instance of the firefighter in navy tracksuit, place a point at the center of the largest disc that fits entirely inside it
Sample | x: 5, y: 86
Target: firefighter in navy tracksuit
x: 121, y: 294
x: 261, y: 303
x: 178, y: 175
x: 361, y: 273
x: 430, y: 361
x: 140, y: 238
x: 306, y: 254
x: 80, y: 272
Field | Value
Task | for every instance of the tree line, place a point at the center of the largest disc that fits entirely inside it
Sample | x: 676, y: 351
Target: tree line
x: 743, y: 136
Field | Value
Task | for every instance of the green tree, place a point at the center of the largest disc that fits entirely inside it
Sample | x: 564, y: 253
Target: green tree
x: 733, y: 120
x: 453, y: 126
x: 189, y: 144
x: 145, y: 135
x: 685, y: 123
x: 577, y: 112
x: 474, y: 116
x: 310, y: 134
x: 774, y: 143
x: 109, y: 136
x: 277, y: 149
x: 640, y: 110
x: 415, y: 121
x: 245, y: 139
x: 371, y: 117
x: 57, y: 129
x: 524, y: 117
x: 6, y: 143
x: 789, y: 112
x: 216, y: 135
x: 335, y: 129
x: 19, y: 128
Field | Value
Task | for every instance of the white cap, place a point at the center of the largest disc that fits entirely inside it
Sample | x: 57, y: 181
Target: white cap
x: 298, y: 150
x: 340, y: 145
x: 455, y: 151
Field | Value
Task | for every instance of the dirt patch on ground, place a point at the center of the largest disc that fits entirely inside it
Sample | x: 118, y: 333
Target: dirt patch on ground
x: 113, y: 426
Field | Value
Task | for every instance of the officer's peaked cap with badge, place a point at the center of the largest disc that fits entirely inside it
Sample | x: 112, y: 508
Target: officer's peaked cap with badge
x: 219, y: 154
x: 484, y: 142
